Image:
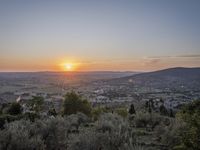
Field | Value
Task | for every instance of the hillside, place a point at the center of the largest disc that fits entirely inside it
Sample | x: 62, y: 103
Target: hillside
x: 168, y: 78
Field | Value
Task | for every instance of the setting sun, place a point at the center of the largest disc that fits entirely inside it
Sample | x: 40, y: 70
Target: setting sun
x: 68, y: 67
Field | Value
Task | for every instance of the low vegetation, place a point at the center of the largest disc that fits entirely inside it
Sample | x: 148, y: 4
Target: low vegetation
x: 79, y: 126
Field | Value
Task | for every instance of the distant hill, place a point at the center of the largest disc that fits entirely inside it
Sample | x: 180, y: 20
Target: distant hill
x: 167, y: 78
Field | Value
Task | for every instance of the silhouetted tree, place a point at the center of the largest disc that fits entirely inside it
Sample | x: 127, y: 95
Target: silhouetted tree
x: 171, y: 113
x: 163, y: 110
x: 149, y: 105
x: 132, y: 109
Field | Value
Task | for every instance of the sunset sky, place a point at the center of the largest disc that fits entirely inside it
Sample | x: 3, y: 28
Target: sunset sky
x: 91, y: 35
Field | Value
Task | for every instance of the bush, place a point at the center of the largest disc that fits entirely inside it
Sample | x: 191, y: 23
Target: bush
x: 16, y: 136
x: 92, y: 140
x: 144, y: 119
x: 76, y: 120
x: 122, y: 112
x: 49, y: 134
x: 89, y: 140
x: 170, y: 135
x: 54, y: 132
x: 109, y: 122
x: 36, y: 103
x: 13, y: 109
x: 74, y: 103
x: 190, y: 115
x: 96, y: 112
x: 31, y: 116
x: 183, y: 133
x: 52, y: 112
x: 112, y: 132
x: 4, y: 118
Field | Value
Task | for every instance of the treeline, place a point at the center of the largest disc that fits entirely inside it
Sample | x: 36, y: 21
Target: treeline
x: 79, y: 126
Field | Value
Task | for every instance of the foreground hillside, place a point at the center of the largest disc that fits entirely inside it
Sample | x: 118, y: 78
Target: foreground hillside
x: 79, y: 126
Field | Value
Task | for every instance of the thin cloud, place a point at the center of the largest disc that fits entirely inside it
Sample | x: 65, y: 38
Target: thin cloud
x: 177, y: 56
x: 192, y: 56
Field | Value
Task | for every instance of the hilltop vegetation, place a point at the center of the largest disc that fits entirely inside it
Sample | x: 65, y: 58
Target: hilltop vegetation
x: 78, y: 126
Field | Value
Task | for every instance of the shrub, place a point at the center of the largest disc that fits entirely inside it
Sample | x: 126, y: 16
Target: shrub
x: 14, y: 109
x: 190, y: 115
x: 31, y: 116
x: 116, y: 128
x: 74, y: 103
x: 183, y: 132
x: 170, y: 135
x: 109, y: 121
x: 96, y: 112
x: 137, y: 147
x: 53, y: 132
x: 122, y: 112
x: 76, y: 120
x: 52, y: 112
x: 36, y: 103
x: 16, y: 136
x: 46, y: 134
x: 145, y: 119
x: 142, y: 119
x: 89, y: 140
x: 8, y: 118
x: 112, y: 133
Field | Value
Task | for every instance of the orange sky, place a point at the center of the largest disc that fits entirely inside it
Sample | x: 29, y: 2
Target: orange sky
x: 136, y: 64
x: 99, y: 35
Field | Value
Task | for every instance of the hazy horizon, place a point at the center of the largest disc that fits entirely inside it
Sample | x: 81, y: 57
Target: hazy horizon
x: 137, y: 35
x: 95, y: 71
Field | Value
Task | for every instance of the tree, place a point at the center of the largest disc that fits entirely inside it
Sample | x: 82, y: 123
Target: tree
x: 15, y: 109
x: 52, y: 112
x: 171, y: 114
x: 190, y: 114
x: 132, y: 109
x: 149, y: 105
x: 36, y: 103
x: 74, y: 103
x: 163, y: 110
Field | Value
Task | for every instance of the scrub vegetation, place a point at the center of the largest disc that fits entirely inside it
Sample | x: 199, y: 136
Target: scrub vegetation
x: 79, y: 126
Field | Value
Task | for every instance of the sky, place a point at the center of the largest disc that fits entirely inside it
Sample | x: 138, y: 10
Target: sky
x: 94, y: 35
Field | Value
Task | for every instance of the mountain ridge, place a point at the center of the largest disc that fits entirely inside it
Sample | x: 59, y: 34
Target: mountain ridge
x: 166, y: 78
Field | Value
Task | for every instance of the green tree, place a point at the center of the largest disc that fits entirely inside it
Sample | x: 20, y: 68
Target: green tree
x: 37, y: 103
x: 74, y: 103
x: 15, y: 109
x: 190, y: 114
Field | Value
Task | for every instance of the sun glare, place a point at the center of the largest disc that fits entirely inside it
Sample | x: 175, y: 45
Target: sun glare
x: 68, y: 67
